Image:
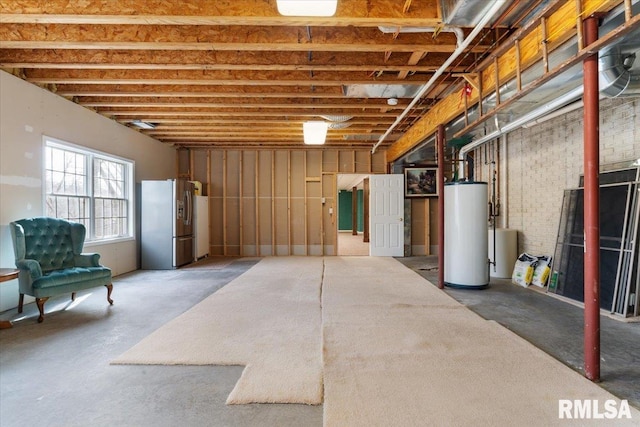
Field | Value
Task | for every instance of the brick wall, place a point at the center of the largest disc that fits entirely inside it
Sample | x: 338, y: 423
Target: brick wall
x: 545, y: 159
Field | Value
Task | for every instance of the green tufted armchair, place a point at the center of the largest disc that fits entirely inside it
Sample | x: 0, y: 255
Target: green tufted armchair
x: 48, y: 255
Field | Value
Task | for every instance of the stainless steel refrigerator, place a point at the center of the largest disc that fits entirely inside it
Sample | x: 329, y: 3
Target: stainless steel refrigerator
x: 166, y: 229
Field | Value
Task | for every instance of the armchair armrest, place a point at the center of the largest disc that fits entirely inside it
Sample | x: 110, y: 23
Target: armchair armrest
x: 30, y: 265
x: 87, y: 260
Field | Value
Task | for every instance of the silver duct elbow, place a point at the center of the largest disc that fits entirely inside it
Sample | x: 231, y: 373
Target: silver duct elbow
x: 616, y: 75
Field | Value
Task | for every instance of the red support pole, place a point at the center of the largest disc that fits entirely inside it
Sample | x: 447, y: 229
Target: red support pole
x: 440, y: 147
x: 591, y: 207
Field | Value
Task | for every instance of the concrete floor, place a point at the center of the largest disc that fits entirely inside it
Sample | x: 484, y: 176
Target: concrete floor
x: 57, y: 373
x: 554, y: 326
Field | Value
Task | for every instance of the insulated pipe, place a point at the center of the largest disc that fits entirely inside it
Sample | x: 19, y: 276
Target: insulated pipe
x: 440, y: 140
x: 591, y: 207
x: 495, y: 7
x: 535, y: 114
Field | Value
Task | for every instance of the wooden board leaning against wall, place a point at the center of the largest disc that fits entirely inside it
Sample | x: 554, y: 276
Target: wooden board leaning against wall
x: 282, y: 202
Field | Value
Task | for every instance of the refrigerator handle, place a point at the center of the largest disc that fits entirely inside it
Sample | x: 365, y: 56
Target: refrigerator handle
x: 189, y: 203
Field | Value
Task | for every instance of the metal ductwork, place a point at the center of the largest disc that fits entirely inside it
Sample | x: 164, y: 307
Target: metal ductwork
x: 463, y: 13
x: 617, y: 75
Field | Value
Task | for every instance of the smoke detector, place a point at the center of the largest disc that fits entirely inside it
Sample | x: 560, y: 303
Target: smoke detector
x: 392, y: 101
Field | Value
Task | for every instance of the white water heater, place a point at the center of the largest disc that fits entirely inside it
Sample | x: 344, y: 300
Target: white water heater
x: 466, y: 255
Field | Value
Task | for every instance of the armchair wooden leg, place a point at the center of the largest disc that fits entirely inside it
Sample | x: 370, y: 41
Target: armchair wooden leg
x: 20, y: 303
x: 73, y: 296
x: 40, y: 302
x: 109, y: 289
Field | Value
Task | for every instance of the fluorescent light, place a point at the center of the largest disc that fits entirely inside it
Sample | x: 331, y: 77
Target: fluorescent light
x: 143, y: 125
x: 307, y: 7
x: 315, y: 132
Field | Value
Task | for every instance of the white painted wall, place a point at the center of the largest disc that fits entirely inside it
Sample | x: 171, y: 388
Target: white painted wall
x: 544, y: 160
x: 28, y: 112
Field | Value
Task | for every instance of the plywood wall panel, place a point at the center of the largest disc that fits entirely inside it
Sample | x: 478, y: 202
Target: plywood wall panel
x: 281, y: 173
x: 314, y: 218
x: 379, y: 162
x: 298, y: 224
x: 265, y: 164
x: 216, y: 217
x: 284, y: 202
x: 216, y: 173
x: 418, y: 235
x: 232, y: 227
x: 329, y: 212
x: 362, y: 161
x: 216, y: 226
x: 297, y: 173
x: 346, y: 161
x: 248, y: 173
x: 314, y: 163
x: 281, y: 221
x: 199, y: 162
x: 330, y: 161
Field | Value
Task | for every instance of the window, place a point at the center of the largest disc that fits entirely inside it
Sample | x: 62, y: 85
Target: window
x: 89, y: 187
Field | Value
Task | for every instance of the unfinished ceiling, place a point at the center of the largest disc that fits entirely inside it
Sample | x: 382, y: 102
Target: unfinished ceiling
x: 236, y: 73
x: 228, y: 74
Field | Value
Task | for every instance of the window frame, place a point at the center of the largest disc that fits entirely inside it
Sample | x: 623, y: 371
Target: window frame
x: 91, y: 155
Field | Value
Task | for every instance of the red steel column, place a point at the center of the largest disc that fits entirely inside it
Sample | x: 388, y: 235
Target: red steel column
x: 440, y: 147
x: 591, y: 207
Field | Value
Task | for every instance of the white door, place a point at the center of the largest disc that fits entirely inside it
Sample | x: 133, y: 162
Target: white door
x: 386, y: 215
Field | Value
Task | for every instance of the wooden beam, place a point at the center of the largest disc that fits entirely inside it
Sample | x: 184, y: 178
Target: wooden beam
x: 238, y: 12
x: 560, y: 17
x: 245, y: 105
x: 212, y: 60
x: 219, y: 38
x: 413, y: 60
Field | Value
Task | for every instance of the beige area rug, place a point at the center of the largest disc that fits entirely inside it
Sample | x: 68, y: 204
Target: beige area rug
x: 267, y: 319
x: 399, y: 352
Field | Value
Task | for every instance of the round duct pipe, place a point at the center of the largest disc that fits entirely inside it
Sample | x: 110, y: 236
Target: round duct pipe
x: 615, y: 75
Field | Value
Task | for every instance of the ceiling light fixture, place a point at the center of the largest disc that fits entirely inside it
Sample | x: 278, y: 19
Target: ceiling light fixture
x: 307, y: 7
x: 315, y: 132
x: 143, y: 125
